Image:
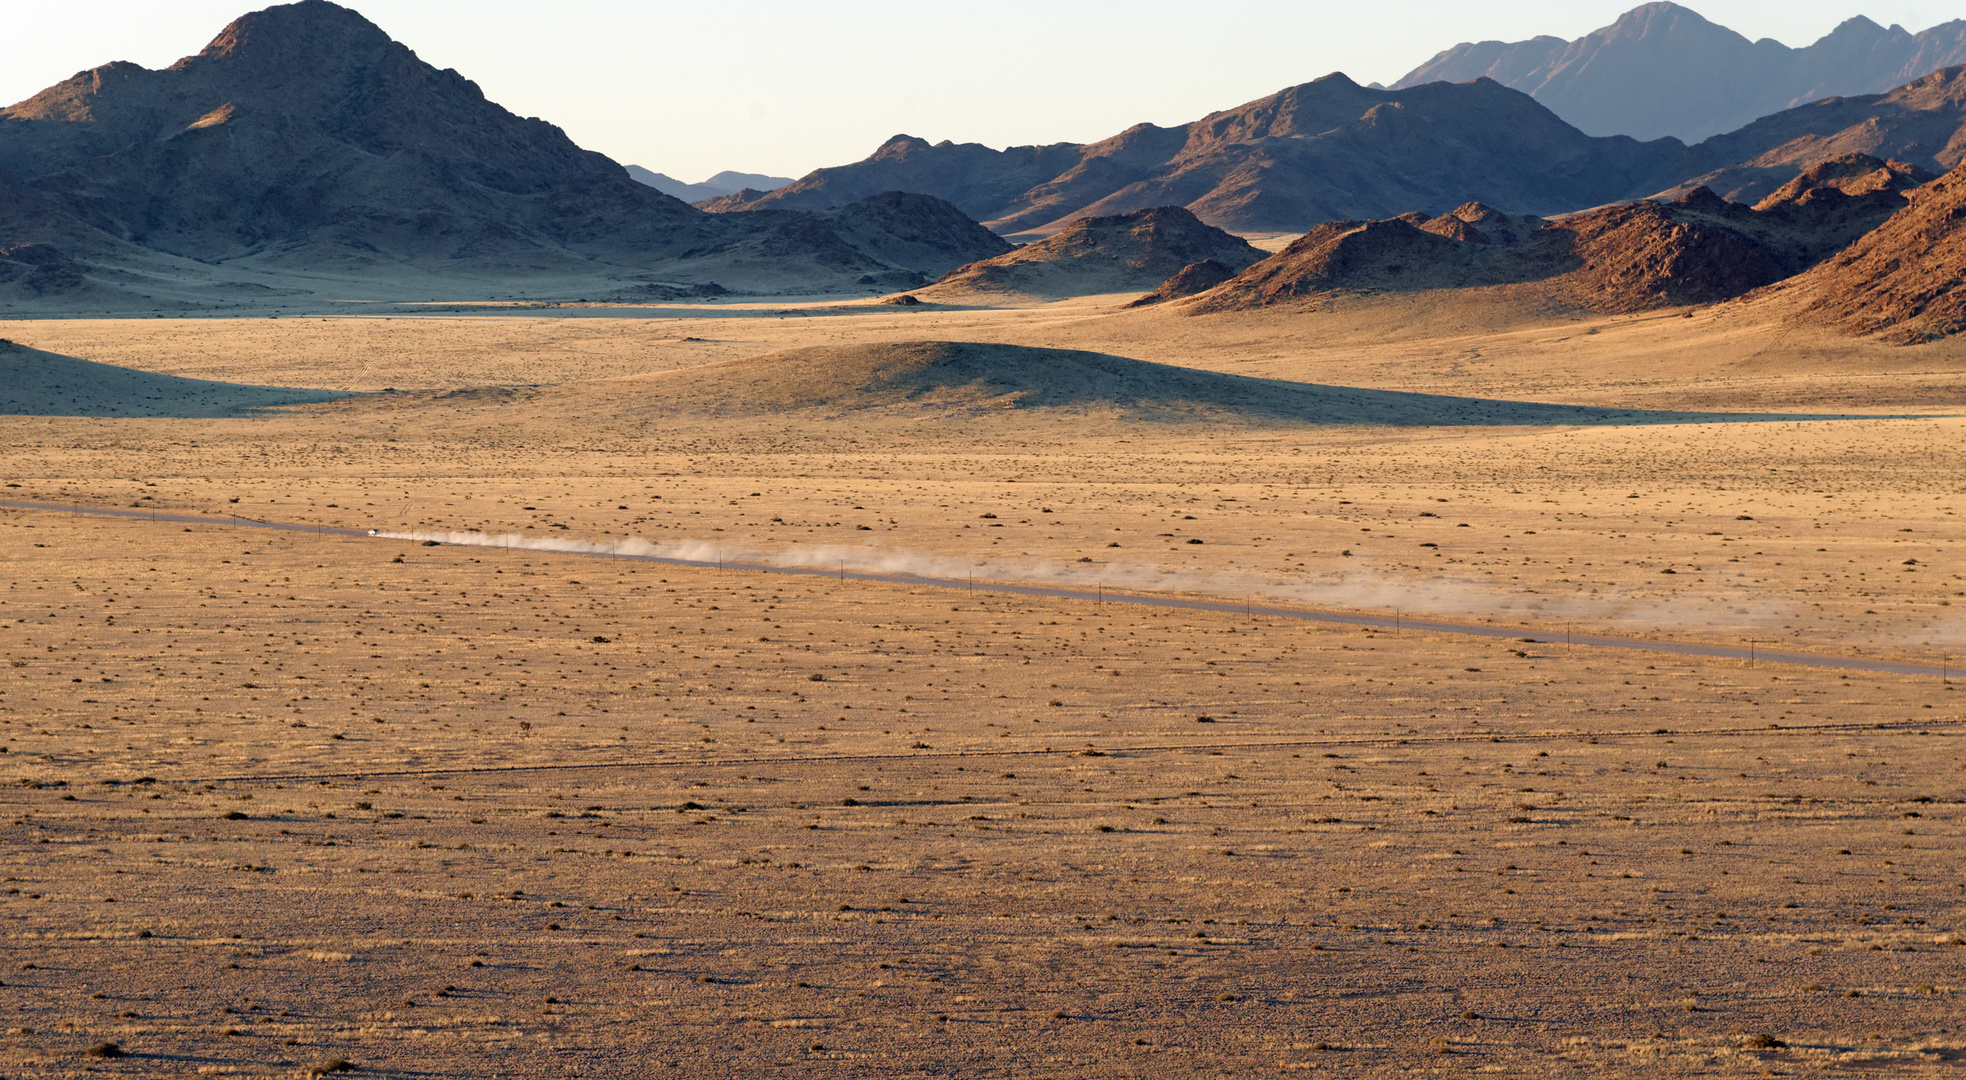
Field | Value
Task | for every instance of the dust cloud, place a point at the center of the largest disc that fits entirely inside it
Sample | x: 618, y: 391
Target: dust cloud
x: 1361, y: 587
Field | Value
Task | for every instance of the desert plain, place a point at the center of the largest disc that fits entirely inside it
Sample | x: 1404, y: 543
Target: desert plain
x: 417, y: 804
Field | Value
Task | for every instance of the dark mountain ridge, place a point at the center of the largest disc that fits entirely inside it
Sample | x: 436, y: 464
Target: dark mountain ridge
x: 1333, y: 150
x: 304, y: 125
x: 303, y: 136
x: 1326, y: 149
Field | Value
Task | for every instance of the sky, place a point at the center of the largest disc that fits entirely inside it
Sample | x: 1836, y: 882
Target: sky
x: 782, y: 87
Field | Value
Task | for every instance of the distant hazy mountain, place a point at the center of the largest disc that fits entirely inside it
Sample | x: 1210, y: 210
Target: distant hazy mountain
x: 303, y: 137
x: 1664, y: 70
x: 718, y: 186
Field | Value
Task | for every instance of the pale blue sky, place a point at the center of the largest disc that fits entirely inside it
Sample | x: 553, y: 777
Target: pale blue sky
x: 785, y: 86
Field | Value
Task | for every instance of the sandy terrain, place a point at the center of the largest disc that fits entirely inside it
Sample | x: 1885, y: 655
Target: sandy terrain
x: 281, y: 798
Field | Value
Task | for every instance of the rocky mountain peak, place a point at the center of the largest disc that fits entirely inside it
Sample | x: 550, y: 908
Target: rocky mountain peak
x: 1650, y: 18
x: 304, y: 136
x: 288, y: 32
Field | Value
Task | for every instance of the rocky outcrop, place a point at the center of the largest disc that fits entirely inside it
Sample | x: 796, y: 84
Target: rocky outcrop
x: 1904, y: 280
x: 1629, y: 257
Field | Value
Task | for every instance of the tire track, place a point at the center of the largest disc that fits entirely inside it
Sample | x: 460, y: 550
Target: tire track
x: 1368, y: 741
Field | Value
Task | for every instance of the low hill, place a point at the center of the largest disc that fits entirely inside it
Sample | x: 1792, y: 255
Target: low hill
x: 1122, y: 253
x: 1663, y: 70
x: 881, y: 243
x: 920, y: 232
x: 1191, y: 280
x: 36, y: 383
x: 939, y: 381
x: 1905, y: 280
x: 1629, y: 257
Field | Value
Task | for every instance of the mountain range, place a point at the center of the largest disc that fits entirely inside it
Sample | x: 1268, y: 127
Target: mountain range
x: 1331, y: 150
x: 1324, y: 150
x: 1922, y: 123
x: 305, y: 145
x: 1663, y: 70
x: 303, y: 137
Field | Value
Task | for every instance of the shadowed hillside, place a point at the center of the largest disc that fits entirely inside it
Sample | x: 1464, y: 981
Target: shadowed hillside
x: 967, y: 382
x: 36, y: 383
